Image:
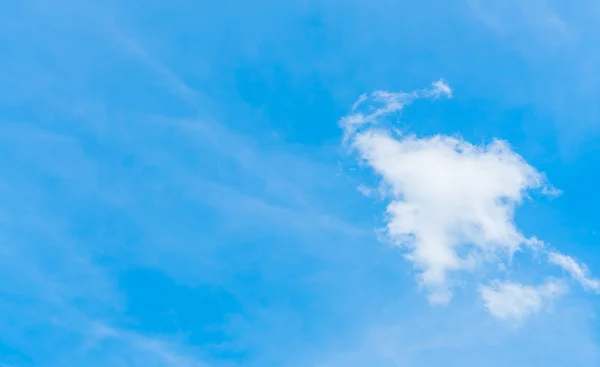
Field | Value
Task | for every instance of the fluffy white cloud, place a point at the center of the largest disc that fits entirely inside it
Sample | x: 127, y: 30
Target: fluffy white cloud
x: 451, y: 202
x: 514, y: 301
x: 576, y: 270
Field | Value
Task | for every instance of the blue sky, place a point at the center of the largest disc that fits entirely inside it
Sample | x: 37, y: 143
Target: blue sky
x: 187, y: 183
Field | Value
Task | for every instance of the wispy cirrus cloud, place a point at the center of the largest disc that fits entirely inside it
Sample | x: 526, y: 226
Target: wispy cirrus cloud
x: 180, y: 194
x: 578, y: 271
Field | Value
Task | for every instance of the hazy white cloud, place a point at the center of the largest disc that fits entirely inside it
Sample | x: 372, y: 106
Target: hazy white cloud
x: 135, y: 349
x: 451, y: 202
x: 514, y: 301
x: 535, y: 20
x: 440, y: 88
x: 576, y: 270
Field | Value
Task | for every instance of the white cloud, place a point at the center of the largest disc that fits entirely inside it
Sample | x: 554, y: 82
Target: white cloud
x: 577, y: 271
x: 451, y: 202
x: 384, y: 103
x: 514, y: 301
x: 441, y: 88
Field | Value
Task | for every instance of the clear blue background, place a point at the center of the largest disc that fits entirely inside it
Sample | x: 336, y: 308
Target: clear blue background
x: 173, y: 192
